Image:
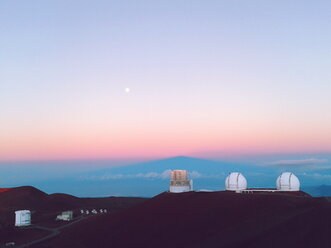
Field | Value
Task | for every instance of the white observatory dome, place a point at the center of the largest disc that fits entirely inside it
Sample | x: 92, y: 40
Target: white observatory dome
x: 235, y: 181
x: 287, y: 181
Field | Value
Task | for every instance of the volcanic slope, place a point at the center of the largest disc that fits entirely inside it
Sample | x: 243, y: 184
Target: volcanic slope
x: 46, y: 207
x: 208, y: 220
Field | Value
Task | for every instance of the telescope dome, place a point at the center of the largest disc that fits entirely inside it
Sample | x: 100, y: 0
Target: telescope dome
x: 287, y: 181
x: 235, y: 181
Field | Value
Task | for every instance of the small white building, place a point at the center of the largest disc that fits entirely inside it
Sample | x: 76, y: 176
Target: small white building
x: 235, y: 181
x: 180, y: 182
x: 287, y: 181
x: 23, y: 218
x: 66, y: 216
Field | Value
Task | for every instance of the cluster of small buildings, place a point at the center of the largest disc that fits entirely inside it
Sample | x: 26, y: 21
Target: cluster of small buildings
x: 93, y: 211
x: 235, y: 181
x: 23, y: 217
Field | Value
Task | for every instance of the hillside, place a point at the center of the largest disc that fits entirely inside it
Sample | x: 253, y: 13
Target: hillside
x: 208, y: 220
x: 46, y: 207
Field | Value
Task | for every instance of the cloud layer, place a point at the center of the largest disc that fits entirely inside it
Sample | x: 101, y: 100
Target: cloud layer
x: 311, y: 162
x: 150, y: 175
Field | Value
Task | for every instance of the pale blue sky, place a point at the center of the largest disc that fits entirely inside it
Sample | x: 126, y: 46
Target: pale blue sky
x: 211, y: 65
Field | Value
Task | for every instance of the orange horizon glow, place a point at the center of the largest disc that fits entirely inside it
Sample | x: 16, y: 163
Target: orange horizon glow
x: 152, y: 146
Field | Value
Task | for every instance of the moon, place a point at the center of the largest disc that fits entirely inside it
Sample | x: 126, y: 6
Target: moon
x: 127, y: 90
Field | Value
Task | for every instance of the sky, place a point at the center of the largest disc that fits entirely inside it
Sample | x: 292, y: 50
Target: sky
x: 206, y: 78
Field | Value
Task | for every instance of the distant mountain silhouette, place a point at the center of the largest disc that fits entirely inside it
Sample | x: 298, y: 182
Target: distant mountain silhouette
x: 181, y: 162
x: 151, y: 178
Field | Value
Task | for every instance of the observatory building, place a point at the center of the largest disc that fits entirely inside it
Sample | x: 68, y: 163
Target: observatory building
x: 23, y: 218
x: 66, y: 216
x: 287, y: 181
x: 179, y: 182
x: 235, y: 181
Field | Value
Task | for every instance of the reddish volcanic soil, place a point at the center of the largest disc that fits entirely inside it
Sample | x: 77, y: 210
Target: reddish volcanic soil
x: 186, y: 220
x: 207, y: 220
x: 4, y: 189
